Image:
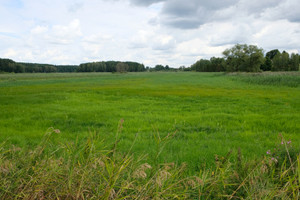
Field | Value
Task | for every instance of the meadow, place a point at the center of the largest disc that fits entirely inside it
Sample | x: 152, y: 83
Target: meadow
x: 206, y: 114
x: 150, y: 136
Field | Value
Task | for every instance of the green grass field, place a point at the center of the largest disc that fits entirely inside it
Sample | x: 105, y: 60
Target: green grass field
x: 210, y: 113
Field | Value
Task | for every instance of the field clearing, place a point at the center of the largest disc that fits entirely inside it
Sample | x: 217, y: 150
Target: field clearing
x: 211, y: 113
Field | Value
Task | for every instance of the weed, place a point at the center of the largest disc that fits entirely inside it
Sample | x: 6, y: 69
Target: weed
x: 87, y: 172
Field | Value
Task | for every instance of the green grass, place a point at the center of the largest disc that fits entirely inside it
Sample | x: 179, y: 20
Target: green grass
x: 290, y: 79
x: 210, y: 113
x: 85, y: 170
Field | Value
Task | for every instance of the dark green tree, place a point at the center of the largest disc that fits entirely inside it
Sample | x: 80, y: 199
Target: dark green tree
x: 281, y: 62
x: 202, y: 65
x: 271, y: 54
x: 8, y: 65
x: 159, y: 68
x: 217, y: 64
x: 294, y: 62
x: 267, y: 66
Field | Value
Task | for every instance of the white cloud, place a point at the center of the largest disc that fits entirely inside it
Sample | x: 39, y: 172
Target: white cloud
x: 10, y: 53
x: 164, y: 42
x: 65, y: 34
x: 39, y: 30
x: 173, y: 32
x: 288, y: 9
x: 280, y: 34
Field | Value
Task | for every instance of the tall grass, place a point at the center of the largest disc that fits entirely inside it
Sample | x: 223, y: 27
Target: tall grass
x: 84, y: 170
x: 211, y: 112
x: 288, y: 79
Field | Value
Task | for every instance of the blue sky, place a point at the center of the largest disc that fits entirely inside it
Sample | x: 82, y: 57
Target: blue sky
x: 13, y: 3
x: 173, y: 32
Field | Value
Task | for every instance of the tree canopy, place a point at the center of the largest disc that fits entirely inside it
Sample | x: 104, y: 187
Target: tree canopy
x: 245, y: 58
x: 249, y: 58
x: 8, y: 65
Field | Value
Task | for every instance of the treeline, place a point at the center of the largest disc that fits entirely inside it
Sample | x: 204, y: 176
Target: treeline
x: 38, y: 68
x: 8, y: 65
x: 111, y: 66
x: 248, y: 58
x: 161, y: 68
x: 277, y: 61
x: 240, y: 58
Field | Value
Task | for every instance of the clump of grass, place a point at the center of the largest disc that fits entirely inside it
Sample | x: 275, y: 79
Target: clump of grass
x: 289, y: 79
x: 84, y: 170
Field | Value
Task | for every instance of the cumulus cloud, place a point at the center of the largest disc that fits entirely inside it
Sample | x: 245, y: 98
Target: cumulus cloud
x: 146, y: 2
x: 58, y: 34
x: 187, y: 15
x: 164, y: 42
x: 287, y: 9
x: 39, y: 30
x: 66, y: 34
x: 10, y: 53
x: 282, y: 34
x: 173, y: 32
x: 194, y: 13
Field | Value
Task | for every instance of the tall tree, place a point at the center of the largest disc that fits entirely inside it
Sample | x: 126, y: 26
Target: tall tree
x: 159, y: 68
x: 217, y: 64
x: 242, y: 57
x: 294, y: 62
x: 271, y: 54
x: 281, y: 62
x: 267, y: 66
x: 202, y: 65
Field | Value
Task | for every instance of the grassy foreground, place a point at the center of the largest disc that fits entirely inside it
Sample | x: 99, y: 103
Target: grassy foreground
x: 150, y: 136
x: 208, y: 113
x: 83, y: 171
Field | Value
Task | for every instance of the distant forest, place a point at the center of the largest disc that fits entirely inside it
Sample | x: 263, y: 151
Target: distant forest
x: 240, y: 58
x: 8, y: 65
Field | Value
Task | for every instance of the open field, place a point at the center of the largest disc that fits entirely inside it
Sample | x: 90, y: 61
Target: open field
x: 209, y: 113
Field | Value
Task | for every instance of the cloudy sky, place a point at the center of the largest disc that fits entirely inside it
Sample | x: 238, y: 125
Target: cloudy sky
x: 173, y: 32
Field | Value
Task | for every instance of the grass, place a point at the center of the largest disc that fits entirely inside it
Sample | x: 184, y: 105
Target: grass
x: 206, y: 114
x: 273, y: 78
x: 81, y: 170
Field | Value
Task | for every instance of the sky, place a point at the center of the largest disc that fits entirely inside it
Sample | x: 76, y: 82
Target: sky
x: 168, y: 32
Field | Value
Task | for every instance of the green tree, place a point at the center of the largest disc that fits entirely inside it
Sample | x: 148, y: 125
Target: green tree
x: 66, y: 68
x: 217, y: 64
x: 159, y: 68
x: 19, y: 68
x: 202, y: 65
x: 281, y: 62
x: 8, y: 65
x: 122, y: 67
x: 267, y: 66
x: 294, y: 62
x: 242, y: 57
x: 271, y: 54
